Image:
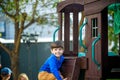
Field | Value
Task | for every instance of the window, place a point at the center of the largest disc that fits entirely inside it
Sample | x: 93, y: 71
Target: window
x: 94, y: 26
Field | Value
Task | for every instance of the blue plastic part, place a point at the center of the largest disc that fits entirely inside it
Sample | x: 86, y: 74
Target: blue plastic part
x: 93, y: 51
x: 55, y: 33
x: 80, y: 31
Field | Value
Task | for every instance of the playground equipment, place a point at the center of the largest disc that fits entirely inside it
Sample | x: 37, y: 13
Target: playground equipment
x: 96, y: 64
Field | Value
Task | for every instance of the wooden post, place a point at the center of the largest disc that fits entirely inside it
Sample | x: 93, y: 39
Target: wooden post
x: 75, y: 32
x: 67, y: 32
x: 60, y: 25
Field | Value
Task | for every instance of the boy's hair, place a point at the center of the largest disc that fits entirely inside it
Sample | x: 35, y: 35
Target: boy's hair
x: 57, y: 44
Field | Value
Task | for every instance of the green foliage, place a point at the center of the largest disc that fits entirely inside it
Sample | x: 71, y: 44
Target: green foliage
x: 42, y: 20
x: 33, y: 9
x: 113, y: 39
x: 7, y: 5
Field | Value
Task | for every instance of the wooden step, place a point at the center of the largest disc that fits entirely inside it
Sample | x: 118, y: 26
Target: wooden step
x: 71, y: 67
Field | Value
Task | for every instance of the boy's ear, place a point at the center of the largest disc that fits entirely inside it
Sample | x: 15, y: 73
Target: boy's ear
x: 51, y: 50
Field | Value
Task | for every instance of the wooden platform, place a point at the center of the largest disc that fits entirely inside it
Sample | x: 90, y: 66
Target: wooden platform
x: 71, y: 67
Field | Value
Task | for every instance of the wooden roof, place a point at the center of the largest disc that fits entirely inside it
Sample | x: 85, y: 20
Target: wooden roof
x: 97, y: 6
x: 70, y: 6
x: 89, y: 6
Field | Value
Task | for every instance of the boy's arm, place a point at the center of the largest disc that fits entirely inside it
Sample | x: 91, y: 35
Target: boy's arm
x: 54, y: 69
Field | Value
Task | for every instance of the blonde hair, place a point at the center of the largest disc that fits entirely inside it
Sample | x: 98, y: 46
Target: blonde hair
x: 23, y: 75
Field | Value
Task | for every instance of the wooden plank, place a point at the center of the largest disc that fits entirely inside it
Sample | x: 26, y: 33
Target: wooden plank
x: 97, y: 6
x: 60, y: 25
x: 67, y: 32
x: 89, y: 1
x: 61, y: 6
x: 75, y: 32
x: 71, y: 67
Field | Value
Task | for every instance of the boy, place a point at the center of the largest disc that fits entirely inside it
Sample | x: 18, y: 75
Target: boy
x: 6, y: 73
x: 50, y: 69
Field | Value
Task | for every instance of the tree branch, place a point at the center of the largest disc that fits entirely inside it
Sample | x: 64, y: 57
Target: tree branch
x: 34, y: 9
x: 5, y: 11
x: 5, y: 48
x: 18, y: 38
x: 17, y: 7
x: 31, y: 22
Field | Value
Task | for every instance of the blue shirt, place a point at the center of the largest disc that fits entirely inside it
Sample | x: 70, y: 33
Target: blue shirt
x: 52, y: 65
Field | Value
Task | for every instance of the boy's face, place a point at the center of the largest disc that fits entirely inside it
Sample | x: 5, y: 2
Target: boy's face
x: 57, y: 51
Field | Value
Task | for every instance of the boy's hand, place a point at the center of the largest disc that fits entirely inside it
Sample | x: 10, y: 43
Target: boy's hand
x: 65, y: 79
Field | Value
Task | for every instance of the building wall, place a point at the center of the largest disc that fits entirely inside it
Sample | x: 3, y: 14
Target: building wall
x: 8, y: 26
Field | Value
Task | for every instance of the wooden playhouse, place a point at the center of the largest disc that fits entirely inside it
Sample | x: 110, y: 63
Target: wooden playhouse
x: 96, y: 64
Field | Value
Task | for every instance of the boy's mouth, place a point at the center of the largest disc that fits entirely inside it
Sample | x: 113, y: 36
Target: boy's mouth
x: 58, y: 53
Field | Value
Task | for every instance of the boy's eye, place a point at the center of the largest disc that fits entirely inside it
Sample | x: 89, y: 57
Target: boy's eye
x: 55, y: 49
x: 60, y: 49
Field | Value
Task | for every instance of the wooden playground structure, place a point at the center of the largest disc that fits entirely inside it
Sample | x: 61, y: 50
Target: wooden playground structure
x: 96, y: 64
